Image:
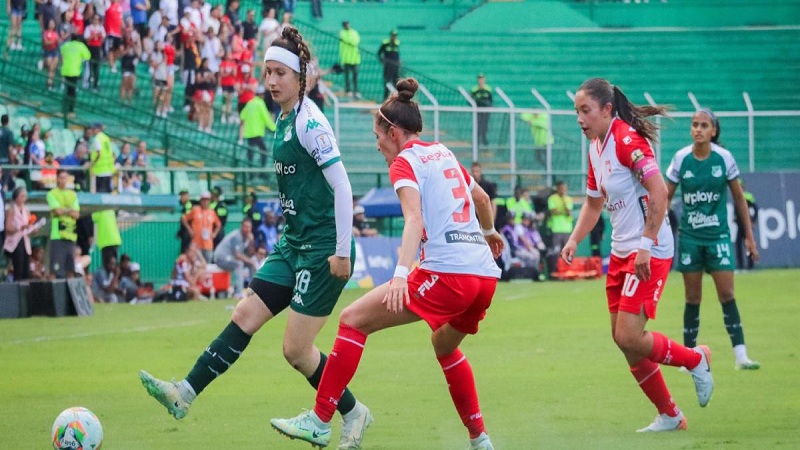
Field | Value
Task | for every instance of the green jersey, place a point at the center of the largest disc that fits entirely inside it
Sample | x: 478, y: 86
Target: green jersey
x: 704, y: 186
x: 304, y: 146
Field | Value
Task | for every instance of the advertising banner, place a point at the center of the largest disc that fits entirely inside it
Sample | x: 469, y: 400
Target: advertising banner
x: 777, y: 231
x: 376, y: 258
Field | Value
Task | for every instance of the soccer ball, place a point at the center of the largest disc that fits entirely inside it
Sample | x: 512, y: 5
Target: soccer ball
x: 77, y: 429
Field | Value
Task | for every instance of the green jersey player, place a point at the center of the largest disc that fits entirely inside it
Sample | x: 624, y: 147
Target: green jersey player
x: 705, y: 171
x: 311, y: 263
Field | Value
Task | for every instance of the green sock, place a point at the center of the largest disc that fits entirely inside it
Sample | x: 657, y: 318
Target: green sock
x: 733, y: 323
x: 691, y: 325
x: 218, y: 357
x: 348, y: 400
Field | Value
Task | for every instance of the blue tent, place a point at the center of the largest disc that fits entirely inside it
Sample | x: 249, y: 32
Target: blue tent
x: 381, y: 202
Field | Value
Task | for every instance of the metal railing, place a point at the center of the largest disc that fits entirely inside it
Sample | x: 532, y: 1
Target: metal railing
x: 759, y: 140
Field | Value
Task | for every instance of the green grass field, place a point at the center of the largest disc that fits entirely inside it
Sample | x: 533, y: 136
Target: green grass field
x: 548, y: 376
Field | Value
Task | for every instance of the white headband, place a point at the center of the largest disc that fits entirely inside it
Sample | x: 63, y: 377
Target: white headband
x: 283, y: 56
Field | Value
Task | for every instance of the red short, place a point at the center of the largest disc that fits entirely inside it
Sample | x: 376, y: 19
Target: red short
x: 204, y: 95
x: 457, y: 299
x: 626, y: 293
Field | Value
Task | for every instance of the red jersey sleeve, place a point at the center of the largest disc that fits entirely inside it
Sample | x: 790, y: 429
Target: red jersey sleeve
x: 631, y: 145
x: 467, y: 177
x: 401, y: 174
x: 635, y: 153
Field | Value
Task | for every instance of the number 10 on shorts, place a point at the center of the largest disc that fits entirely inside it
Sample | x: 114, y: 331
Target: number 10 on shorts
x: 630, y: 285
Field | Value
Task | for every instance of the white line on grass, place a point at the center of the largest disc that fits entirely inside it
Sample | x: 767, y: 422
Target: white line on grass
x: 101, y: 333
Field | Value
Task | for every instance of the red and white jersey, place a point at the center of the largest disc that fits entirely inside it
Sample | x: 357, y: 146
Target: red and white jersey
x: 611, y: 176
x: 452, y: 238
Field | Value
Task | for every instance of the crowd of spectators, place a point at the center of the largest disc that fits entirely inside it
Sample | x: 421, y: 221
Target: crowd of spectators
x: 203, y: 243
x: 211, y: 49
x: 535, y: 227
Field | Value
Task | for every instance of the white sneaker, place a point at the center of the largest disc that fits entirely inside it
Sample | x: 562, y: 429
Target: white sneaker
x: 747, y: 364
x: 481, y: 442
x: 664, y: 422
x: 703, y: 381
x: 355, y: 423
x: 307, y: 427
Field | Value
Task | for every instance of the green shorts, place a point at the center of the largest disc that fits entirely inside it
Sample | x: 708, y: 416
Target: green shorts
x: 713, y: 256
x: 315, y: 291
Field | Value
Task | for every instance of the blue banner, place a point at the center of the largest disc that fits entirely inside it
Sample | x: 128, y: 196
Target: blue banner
x: 376, y: 258
x: 777, y: 230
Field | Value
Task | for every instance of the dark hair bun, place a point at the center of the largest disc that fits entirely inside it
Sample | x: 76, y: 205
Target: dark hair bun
x: 406, y: 88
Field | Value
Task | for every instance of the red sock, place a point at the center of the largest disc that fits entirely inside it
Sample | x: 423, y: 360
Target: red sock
x: 668, y: 352
x: 651, y: 381
x: 339, y: 370
x: 461, y: 382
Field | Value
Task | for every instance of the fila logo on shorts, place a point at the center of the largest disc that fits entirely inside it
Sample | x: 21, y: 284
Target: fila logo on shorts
x: 427, y: 285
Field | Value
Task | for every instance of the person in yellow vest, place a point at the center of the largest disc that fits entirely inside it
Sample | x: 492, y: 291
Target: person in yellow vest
x: 519, y: 204
x: 106, y: 234
x: 349, y: 57
x: 73, y: 54
x: 101, y: 159
x: 540, y: 131
x: 64, y: 213
x: 559, y: 204
x: 255, y: 120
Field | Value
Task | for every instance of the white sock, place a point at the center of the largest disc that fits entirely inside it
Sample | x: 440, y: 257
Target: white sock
x: 187, y: 391
x: 740, y: 351
x: 478, y: 439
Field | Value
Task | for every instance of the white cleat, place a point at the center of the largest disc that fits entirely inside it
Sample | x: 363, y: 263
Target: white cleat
x: 664, y: 422
x: 747, y: 364
x: 703, y: 381
x: 355, y: 424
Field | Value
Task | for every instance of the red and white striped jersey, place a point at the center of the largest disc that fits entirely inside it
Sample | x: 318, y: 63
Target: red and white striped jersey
x: 611, y: 176
x: 452, y: 239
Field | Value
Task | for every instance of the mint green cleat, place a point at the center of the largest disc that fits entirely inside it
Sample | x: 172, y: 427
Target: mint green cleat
x: 167, y: 393
x: 481, y: 442
x: 307, y: 427
x: 355, y: 423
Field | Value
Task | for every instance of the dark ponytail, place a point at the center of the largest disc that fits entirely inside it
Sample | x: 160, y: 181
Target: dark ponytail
x: 400, y: 109
x: 636, y: 116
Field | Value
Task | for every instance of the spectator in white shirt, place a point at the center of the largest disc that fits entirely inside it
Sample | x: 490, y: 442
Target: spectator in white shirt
x: 171, y: 8
x: 268, y: 30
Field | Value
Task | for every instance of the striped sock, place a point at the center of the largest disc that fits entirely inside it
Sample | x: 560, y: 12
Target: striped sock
x: 668, y: 352
x: 347, y: 402
x: 461, y: 383
x: 691, y: 325
x: 218, y: 357
x: 651, y: 382
x: 733, y: 323
x: 339, y: 370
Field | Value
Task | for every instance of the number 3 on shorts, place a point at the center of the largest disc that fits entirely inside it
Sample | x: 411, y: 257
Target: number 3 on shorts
x: 302, y: 279
x: 630, y: 285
